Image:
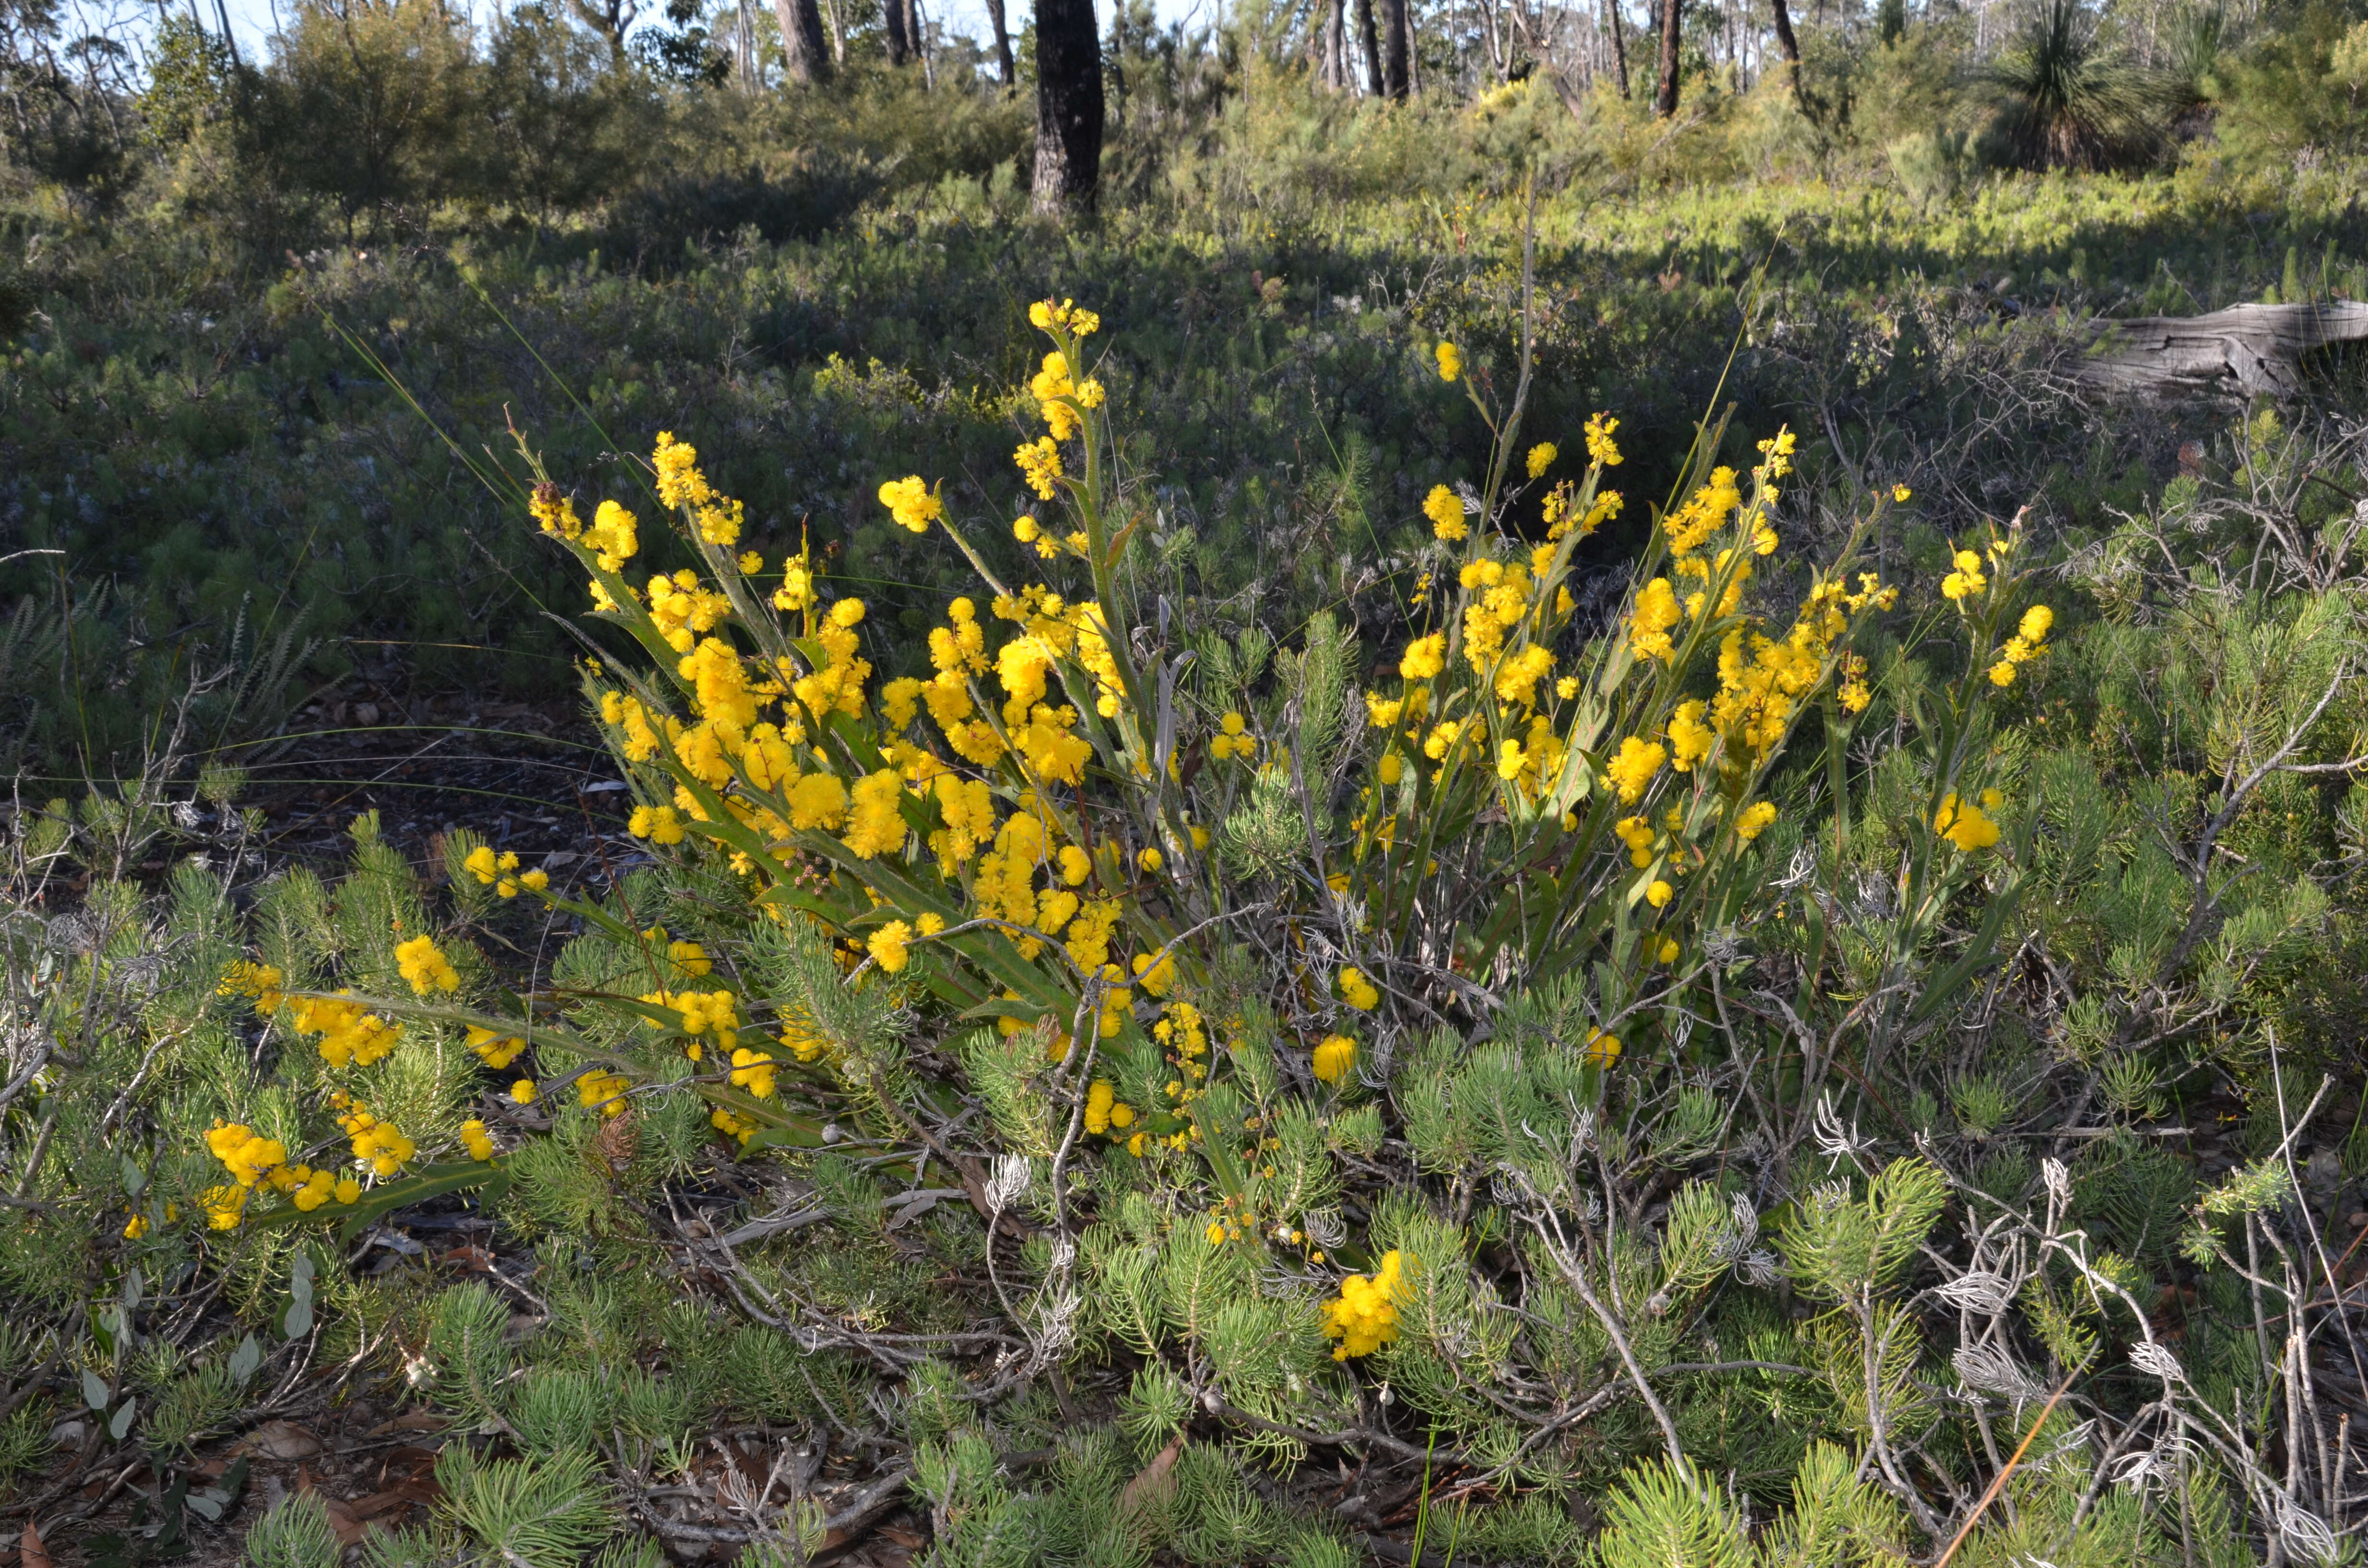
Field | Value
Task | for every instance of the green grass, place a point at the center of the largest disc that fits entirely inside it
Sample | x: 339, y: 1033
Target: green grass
x: 216, y: 447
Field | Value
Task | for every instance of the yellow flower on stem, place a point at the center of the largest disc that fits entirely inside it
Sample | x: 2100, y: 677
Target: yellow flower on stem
x: 1334, y: 1058
x: 887, y: 945
x: 911, y: 503
x: 1364, y: 1316
x: 427, y: 969
x: 1445, y: 510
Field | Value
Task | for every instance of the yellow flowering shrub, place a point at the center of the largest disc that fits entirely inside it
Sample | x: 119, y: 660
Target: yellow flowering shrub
x: 1133, y: 961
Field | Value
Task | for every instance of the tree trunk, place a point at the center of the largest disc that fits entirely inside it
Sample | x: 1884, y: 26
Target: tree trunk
x: 1788, y: 49
x: 1367, y: 36
x: 1394, y: 48
x: 1068, y: 106
x: 1665, y: 98
x: 1620, y: 45
x: 2261, y: 347
x: 806, y: 56
x: 900, y: 48
x: 1002, y: 42
x: 915, y: 38
x: 1332, y: 49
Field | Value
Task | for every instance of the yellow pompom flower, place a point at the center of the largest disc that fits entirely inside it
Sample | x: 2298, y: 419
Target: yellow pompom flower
x: 1333, y: 1059
x: 1600, y: 447
x: 523, y: 1091
x: 1425, y: 657
x: 427, y: 969
x: 1541, y: 457
x: 1364, y: 1317
x: 1962, y: 823
x: 657, y: 824
x: 1450, y: 361
x: 1039, y: 463
x: 1603, y: 1050
x: 911, y: 503
x: 1754, y: 820
x: 1659, y: 893
x: 1445, y: 510
x: 1633, y: 768
x: 887, y: 945
x: 1359, y: 991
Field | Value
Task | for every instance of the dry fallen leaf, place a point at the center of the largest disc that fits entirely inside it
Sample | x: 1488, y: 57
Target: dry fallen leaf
x: 415, y: 1421
x: 351, y: 1526
x: 1154, y: 1483
x: 281, y: 1440
x: 30, y: 1551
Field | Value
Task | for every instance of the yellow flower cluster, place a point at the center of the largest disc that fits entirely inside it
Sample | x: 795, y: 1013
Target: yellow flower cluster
x: 1541, y: 457
x: 1365, y: 1317
x: 1039, y: 463
x: 704, y: 1015
x: 1967, y: 579
x: 495, y: 1050
x: 1445, y: 510
x: 427, y: 967
x: 753, y: 1071
x: 254, y: 1160
x: 911, y: 503
x: 1965, y: 824
x: 2028, y: 642
x: 1233, y: 739
x: 1359, y: 991
x: 379, y: 1144
x: 602, y: 1090
x: 1044, y: 316
x: 1105, y: 1112
x: 657, y: 824
x: 259, y: 983
x: 1060, y: 398
x: 500, y: 872
x: 1600, y: 447
x: 350, y: 1036
x: 477, y: 1141
x: 1335, y: 1055
x: 681, y: 487
x: 1450, y: 361
x: 1631, y: 771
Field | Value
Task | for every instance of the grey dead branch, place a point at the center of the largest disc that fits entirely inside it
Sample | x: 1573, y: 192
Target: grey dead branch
x: 2260, y: 346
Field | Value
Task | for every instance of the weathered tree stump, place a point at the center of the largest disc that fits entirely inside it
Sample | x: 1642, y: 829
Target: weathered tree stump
x: 2260, y: 345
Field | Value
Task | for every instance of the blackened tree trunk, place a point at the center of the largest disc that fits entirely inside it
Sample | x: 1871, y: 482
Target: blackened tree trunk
x: 900, y: 47
x: 1068, y: 106
x: 805, y: 54
x: 1665, y: 101
x: 1787, y: 46
x: 1393, y: 49
x: 1002, y: 41
x: 1367, y: 34
x: 1620, y: 44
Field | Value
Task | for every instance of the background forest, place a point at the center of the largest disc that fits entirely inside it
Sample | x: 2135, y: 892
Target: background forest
x: 1608, y: 873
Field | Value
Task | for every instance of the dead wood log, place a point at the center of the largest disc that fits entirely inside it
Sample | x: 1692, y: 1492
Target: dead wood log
x: 2260, y: 345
